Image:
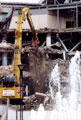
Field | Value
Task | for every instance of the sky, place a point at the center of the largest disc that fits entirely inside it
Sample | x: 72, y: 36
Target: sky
x: 26, y: 1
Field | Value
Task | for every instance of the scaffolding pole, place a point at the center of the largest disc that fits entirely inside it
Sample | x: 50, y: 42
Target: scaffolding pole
x: 76, y: 16
x: 57, y: 17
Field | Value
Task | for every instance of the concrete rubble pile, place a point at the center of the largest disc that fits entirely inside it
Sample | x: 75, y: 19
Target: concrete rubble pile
x: 5, y: 45
x: 6, y: 70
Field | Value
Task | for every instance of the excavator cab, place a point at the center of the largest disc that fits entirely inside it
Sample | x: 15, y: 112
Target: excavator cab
x: 8, y: 81
x: 9, y: 88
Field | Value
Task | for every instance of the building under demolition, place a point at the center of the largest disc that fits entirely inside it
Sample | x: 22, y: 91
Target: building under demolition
x: 58, y: 27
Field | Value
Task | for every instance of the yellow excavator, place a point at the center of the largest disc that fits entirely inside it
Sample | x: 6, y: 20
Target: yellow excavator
x: 10, y: 86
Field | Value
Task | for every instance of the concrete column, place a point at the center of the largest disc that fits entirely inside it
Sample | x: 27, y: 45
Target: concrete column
x: 26, y: 90
x: 7, y: 108
x: 76, y: 15
x: 58, y: 19
x: 4, y: 59
x: 16, y: 115
x: 64, y: 55
x: 48, y: 40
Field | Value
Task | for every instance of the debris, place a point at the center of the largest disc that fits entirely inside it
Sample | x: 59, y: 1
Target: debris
x: 6, y: 70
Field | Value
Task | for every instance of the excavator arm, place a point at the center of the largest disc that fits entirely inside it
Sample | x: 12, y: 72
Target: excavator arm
x: 26, y: 15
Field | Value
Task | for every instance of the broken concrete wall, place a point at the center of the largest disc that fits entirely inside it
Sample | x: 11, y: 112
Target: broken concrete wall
x: 38, y: 70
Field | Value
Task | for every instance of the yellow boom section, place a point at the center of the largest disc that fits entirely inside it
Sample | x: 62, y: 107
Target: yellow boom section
x: 18, y: 46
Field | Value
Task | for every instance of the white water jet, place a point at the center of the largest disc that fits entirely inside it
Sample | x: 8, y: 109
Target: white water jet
x: 75, y: 81
x: 33, y: 115
x: 54, y: 86
x: 65, y: 108
x: 54, y: 83
x: 38, y: 115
